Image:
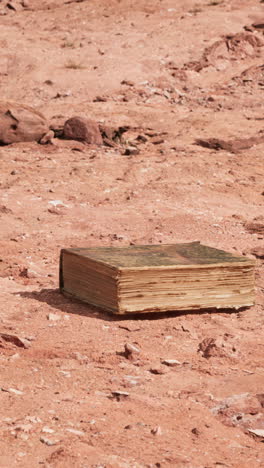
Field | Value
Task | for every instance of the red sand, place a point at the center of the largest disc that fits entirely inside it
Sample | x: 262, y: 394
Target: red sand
x: 59, y: 57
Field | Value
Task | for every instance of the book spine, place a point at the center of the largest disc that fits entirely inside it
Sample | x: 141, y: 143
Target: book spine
x: 61, y: 281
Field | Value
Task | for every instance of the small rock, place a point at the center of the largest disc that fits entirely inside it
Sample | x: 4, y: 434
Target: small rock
x: 131, y: 150
x: 151, y: 133
x: 47, y: 138
x: 129, y: 426
x: 130, y: 348
x: 47, y: 430
x: 14, y: 5
x: 157, y: 141
x: 16, y: 340
x: 30, y: 338
x: 56, y: 203
x: 131, y: 351
x: 23, y: 427
x: 220, y: 347
x: 100, y: 99
x: 119, y: 395
x: 258, y: 252
x: 130, y: 328
x: 112, y: 136
x: 4, y: 209
x: 33, y: 419
x: 258, y: 24
x: 208, y: 348
x: 257, y: 432
x: 53, y: 317
x: 63, y: 94
x: 14, y: 357
x: 65, y: 373
x: 75, y: 431
x: 57, y: 210
x: 156, y: 431
x: 47, y: 441
x: 131, y: 380
x: 32, y: 273
x: 127, y: 83
x: 141, y: 139
x: 196, y: 431
x: 27, y: 273
x: 171, y: 362
x: 158, y: 370
x: 12, y: 390
x: 82, y: 129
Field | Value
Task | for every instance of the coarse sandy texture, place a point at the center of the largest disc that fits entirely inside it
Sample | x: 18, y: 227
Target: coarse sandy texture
x: 192, y: 384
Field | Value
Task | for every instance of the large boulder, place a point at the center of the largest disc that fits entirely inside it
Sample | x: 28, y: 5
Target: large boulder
x: 20, y: 123
x: 82, y: 129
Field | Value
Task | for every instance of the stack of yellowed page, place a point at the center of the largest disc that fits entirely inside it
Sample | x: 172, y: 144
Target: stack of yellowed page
x: 157, y: 278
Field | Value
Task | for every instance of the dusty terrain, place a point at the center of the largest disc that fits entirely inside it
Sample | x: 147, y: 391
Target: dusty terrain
x: 179, y: 74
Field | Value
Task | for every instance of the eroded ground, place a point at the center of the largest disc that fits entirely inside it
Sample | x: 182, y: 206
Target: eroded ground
x: 179, y: 74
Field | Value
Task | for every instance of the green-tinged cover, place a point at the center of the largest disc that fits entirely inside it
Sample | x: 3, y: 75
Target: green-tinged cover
x: 147, y: 256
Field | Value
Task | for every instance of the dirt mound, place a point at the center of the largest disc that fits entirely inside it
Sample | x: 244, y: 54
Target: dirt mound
x: 232, y: 146
x: 231, y: 48
x: 242, y: 410
x: 253, y: 75
x: 218, y: 347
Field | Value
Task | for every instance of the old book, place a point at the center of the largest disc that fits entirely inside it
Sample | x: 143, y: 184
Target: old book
x: 156, y: 278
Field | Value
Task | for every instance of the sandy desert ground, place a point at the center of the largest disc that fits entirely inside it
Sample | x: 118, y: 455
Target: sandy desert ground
x: 187, y: 79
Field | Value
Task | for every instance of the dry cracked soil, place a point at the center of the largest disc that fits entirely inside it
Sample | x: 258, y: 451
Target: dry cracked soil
x: 186, y: 78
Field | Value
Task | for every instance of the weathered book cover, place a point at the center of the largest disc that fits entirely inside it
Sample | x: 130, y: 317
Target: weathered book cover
x: 142, y: 278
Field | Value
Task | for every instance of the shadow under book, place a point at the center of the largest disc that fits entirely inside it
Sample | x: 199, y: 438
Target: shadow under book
x: 157, y: 278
